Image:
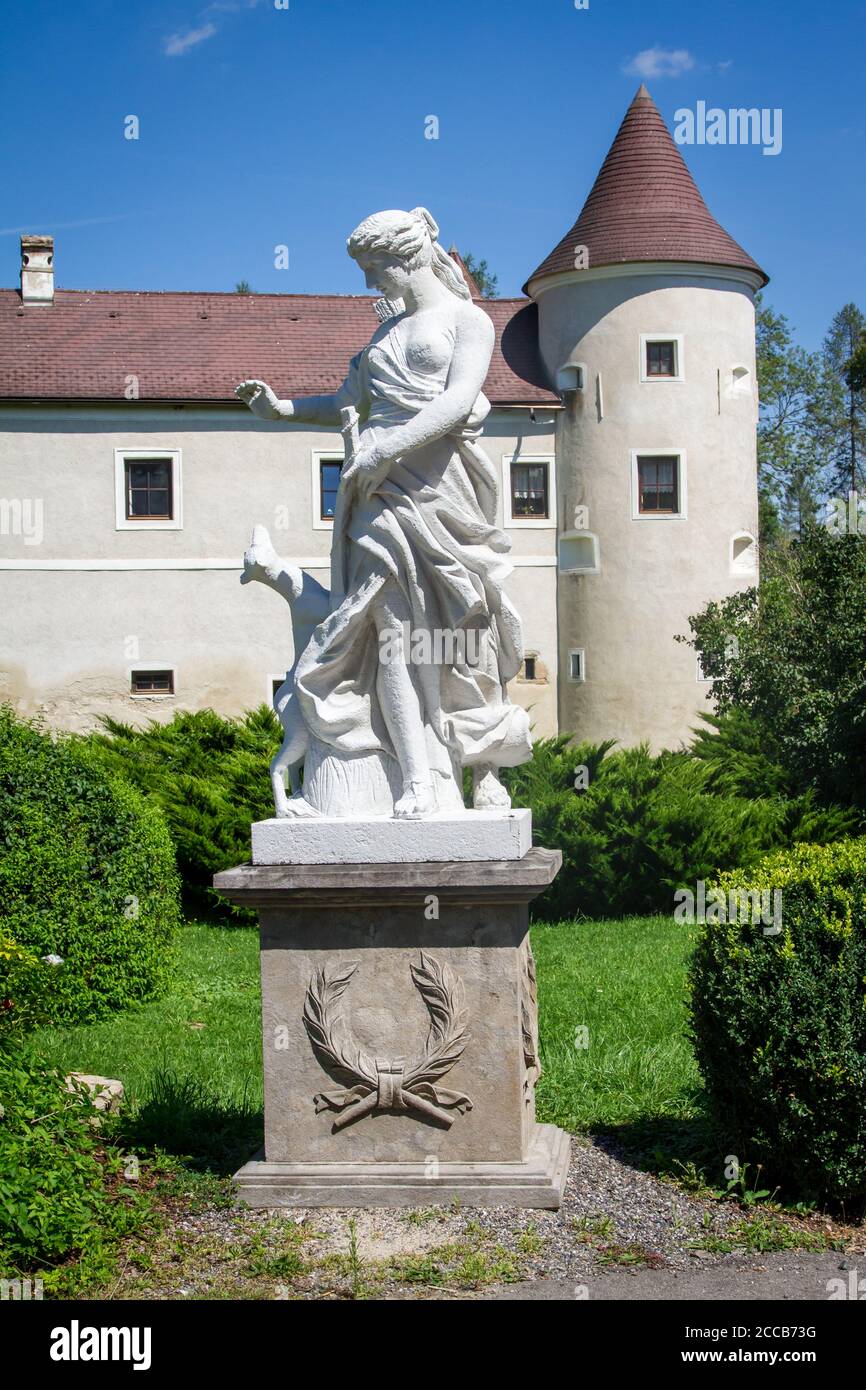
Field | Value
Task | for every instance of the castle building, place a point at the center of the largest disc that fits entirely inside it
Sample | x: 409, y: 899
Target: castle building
x: 623, y: 427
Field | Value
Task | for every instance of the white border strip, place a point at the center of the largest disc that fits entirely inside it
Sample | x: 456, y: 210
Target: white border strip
x: 312, y: 562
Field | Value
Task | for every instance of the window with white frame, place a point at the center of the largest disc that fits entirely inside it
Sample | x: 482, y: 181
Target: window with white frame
x: 658, y: 484
x: 661, y: 357
x: 326, y: 482
x: 528, y: 491
x: 147, y: 490
x: 577, y: 665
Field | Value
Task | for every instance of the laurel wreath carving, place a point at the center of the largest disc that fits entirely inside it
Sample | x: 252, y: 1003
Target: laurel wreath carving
x: 529, y: 1022
x: 388, y: 1084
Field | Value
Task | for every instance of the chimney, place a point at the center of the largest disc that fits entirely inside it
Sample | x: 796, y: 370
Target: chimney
x: 37, y: 270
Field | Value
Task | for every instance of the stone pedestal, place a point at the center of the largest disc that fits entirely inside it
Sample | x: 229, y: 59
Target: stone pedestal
x: 400, y: 1034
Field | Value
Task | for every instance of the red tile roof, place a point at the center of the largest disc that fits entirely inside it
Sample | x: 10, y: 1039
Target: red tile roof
x: 645, y: 205
x: 198, y: 346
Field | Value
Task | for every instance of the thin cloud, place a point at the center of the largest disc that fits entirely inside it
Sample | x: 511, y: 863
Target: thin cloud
x: 178, y: 44
x: 63, y: 226
x: 660, y: 62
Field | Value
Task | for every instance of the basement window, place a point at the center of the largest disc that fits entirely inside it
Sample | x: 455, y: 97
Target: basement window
x: 151, y: 682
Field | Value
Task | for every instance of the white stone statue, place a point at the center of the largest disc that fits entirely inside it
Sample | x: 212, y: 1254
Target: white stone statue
x: 399, y: 676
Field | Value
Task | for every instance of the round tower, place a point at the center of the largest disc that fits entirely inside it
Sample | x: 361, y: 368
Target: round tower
x: 647, y: 326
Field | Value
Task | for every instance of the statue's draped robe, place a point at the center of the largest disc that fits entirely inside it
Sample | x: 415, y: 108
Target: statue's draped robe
x: 430, y: 526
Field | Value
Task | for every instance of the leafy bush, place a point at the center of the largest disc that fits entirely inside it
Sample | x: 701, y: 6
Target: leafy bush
x: 87, y: 875
x: 20, y: 986
x: 209, y: 775
x: 792, y: 656
x: 636, y: 827
x: 56, y: 1173
x: 779, y: 1021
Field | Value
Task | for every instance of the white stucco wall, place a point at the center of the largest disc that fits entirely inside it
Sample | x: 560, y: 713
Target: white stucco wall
x: 85, y: 602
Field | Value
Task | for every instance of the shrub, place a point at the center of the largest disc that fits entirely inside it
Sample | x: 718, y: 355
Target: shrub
x: 87, y: 874
x: 56, y: 1173
x: 636, y: 827
x: 209, y: 776
x: 779, y: 1021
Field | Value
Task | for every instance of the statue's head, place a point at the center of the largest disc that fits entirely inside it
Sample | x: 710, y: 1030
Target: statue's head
x: 390, y: 247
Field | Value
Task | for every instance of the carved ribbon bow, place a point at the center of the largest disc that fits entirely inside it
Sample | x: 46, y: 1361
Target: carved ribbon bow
x: 382, y: 1084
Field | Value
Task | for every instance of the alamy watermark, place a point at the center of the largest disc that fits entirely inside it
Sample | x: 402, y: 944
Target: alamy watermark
x: 758, y: 906
x: 737, y: 126
x: 438, y: 646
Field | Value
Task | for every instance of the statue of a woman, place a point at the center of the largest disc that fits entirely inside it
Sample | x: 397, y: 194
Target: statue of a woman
x: 403, y: 683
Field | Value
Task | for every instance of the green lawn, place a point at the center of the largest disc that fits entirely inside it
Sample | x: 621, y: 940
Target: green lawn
x: 191, y: 1063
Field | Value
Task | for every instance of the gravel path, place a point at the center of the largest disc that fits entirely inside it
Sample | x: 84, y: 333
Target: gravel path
x: 615, y: 1223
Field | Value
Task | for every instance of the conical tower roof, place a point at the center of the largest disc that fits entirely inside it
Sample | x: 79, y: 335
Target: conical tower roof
x: 645, y: 206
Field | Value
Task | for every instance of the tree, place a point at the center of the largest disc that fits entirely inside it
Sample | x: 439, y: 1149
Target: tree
x: 791, y: 453
x: 855, y: 375
x: 483, y: 276
x: 243, y: 287
x: 791, y: 656
x: 842, y: 401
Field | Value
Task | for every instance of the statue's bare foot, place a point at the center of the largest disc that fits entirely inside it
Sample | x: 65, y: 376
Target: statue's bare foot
x: 416, y: 801
x: 488, y: 793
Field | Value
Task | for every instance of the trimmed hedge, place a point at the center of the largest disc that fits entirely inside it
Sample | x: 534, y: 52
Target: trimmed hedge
x: 779, y: 1021
x: 87, y: 874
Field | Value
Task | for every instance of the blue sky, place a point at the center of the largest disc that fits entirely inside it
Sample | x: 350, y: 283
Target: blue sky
x: 262, y: 127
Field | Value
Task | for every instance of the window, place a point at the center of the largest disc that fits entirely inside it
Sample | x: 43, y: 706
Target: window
x: 147, y: 489
x: 658, y: 483
x: 529, y: 669
x: 327, y: 467
x: 151, y: 683
x: 577, y: 665
x: 661, y: 357
x: 528, y: 491
x: 329, y: 482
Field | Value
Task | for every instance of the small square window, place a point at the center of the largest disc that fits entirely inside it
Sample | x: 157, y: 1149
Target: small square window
x: 151, y: 683
x: 658, y: 477
x: 530, y: 491
x: 148, y: 489
x: 329, y: 483
x: 661, y: 358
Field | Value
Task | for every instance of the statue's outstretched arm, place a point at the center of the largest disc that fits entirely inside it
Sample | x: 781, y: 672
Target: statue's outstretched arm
x: 314, y: 410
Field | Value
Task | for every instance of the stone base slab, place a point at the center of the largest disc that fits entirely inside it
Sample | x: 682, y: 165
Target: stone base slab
x: 538, y: 1181
x: 473, y: 836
